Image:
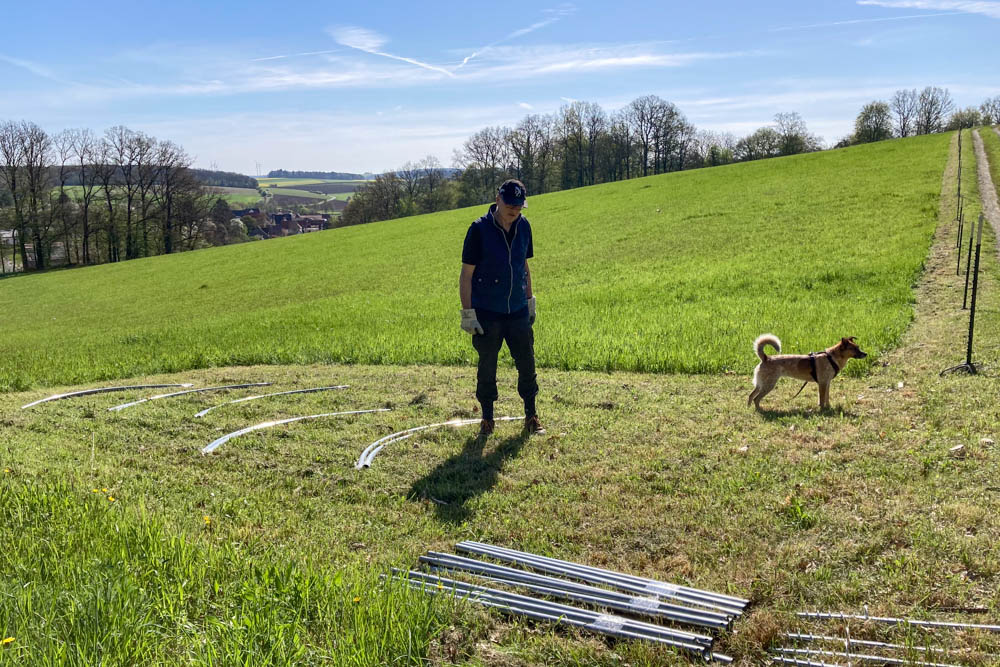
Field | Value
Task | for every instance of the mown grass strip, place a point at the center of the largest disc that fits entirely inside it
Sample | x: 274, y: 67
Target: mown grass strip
x: 671, y: 273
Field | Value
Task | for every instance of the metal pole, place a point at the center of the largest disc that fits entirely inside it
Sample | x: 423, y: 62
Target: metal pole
x: 968, y: 269
x: 605, y: 623
x: 864, y: 657
x: 958, y: 266
x: 897, y: 621
x: 863, y: 642
x: 579, y: 592
x: 975, y: 284
x: 640, y: 585
x: 212, y: 446
x: 591, y: 575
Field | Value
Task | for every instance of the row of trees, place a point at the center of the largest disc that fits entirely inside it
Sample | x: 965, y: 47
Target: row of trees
x: 581, y: 144
x: 77, y: 197
x: 910, y: 113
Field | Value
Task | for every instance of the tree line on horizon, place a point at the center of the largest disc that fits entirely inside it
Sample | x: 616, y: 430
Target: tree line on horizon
x: 79, y: 198
x: 582, y: 144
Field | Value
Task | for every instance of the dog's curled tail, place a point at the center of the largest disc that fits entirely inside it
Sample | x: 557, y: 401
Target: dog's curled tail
x: 766, y: 339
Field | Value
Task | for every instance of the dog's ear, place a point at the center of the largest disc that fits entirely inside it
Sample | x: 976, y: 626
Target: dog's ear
x: 851, y: 338
x: 848, y: 340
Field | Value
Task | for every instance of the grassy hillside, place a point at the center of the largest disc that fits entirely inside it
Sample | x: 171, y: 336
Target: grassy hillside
x: 672, y: 273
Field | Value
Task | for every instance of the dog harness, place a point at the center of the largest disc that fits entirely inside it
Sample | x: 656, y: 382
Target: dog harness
x: 812, y: 365
x: 812, y: 369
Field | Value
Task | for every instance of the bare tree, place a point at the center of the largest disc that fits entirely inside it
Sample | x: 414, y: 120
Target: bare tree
x: 933, y: 106
x: 12, y: 160
x: 174, y: 183
x: 874, y: 123
x: 642, y: 119
x: 62, y: 208
x: 85, y: 149
x: 795, y: 137
x: 990, y: 109
x: 904, y: 107
x: 432, y: 181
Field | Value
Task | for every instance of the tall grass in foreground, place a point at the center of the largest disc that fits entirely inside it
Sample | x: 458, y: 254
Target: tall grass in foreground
x: 671, y: 273
x: 87, y: 581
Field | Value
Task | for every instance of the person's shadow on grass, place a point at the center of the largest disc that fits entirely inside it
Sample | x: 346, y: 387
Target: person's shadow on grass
x: 464, y: 476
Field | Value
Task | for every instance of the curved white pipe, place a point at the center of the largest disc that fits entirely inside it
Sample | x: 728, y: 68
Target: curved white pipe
x: 210, y: 447
x: 280, y: 393
x: 369, y: 453
x: 189, y: 391
x: 101, y: 390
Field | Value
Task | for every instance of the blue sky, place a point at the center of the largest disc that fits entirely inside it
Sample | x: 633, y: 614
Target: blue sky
x: 360, y: 86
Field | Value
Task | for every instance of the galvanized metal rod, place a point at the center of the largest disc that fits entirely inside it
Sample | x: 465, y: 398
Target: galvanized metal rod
x: 598, y: 576
x: 280, y: 393
x: 369, y: 453
x: 968, y: 270
x: 898, y: 621
x: 785, y: 660
x: 212, y: 446
x: 621, y: 581
x: 605, y: 623
x: 102, y: 390
x: 864, y: 657
x: 863, y: 642
x: 975, y: 284
x: 735, y: 601
x: 645, y: 605
x: 568, y: 610
x: 588, y: 594
x: 552, y: 617
x: 189, y: 391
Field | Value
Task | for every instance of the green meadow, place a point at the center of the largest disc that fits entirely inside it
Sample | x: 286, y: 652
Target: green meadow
x: 122, y: 544
x: 673, y: 273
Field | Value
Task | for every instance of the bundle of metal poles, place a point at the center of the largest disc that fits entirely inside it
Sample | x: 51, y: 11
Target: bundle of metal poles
x: 544, y: 610
x: 560, y: 580
x: 719, y: 602
x: 568, y: 590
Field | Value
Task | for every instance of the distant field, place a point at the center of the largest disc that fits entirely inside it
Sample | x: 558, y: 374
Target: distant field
x: 674, y: 273
x: 293, y: 182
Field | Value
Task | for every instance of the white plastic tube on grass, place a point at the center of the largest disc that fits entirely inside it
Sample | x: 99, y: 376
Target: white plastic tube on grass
x: 280, y: 393
x: 189, y: 391
x: 369, y: 453
x: 212, y: 446
x: 102, y: 390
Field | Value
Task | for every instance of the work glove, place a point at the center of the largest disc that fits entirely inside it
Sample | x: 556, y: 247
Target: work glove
x: 531, y: 310
x: 470, y: 323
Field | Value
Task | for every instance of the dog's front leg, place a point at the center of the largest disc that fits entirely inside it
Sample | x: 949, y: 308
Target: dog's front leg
x: 824, y: 395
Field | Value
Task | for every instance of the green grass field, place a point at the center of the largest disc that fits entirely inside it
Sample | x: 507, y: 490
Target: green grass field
x: 124, y: 545
x: 672, y: 273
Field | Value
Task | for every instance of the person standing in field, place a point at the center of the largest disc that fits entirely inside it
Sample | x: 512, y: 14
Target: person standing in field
x: 497, y: 301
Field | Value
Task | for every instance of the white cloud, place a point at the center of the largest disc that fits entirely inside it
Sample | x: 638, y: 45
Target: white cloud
x: 833, y: 24
x: 991, y: 9
x: 525, y: 105
x: 367, y: 41
x: 33, y: 67
x: 357, y: 38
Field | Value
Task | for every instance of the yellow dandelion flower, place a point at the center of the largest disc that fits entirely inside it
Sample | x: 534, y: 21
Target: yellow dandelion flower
x: 96, y: 490
x: 111, y: 498
x: 208, y: 520
x: 6, y: 640
x: 104, y: 490
x: 7, y: 470
x: 357, y: 600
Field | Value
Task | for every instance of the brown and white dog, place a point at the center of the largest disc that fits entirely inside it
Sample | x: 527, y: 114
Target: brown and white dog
x: 820, y: 367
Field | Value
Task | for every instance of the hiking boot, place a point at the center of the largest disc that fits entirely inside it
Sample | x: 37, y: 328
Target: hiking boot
x: 532, y: 426
x: 486, y: 427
